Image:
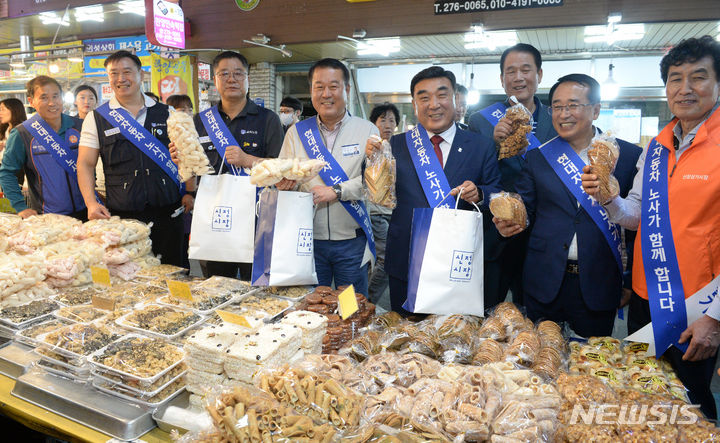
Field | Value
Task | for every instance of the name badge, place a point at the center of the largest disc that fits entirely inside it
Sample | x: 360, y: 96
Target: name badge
x: 350, y: 150
x: 112, y: 131
x: 205, y: 139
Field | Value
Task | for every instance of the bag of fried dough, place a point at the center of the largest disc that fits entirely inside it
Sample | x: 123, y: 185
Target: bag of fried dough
x: 521, y: 124
x: 603, y: 155
x: 270, y: 171
x: 380, y: 177
x: 508, y: 206
x: 192, y: 160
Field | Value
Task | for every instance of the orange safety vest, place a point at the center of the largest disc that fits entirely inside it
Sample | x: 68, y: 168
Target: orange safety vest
x: 694, y: 201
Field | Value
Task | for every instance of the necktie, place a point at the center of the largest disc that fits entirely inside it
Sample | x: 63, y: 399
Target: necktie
x: 436, y: 140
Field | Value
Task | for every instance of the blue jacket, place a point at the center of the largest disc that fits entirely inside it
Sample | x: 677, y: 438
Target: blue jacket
x: 52, y: 189
x: 475, y: 162
x: 555, y: 217
x: 510, y: 168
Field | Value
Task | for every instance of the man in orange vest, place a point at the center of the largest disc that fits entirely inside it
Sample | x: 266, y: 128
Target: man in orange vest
x: 675, y: 207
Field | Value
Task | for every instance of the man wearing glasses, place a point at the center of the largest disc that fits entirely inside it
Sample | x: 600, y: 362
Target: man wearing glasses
x: 575, y: 272
x: 238, y: 128
x: 129, y: 133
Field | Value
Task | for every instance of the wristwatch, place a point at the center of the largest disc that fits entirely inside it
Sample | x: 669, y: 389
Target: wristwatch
x: 338, y: 191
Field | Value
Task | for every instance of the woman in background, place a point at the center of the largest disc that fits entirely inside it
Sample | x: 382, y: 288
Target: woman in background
x: 12, y: 113
x: 85, y: 100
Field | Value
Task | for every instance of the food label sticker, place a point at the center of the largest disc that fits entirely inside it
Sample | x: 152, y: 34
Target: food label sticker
x: 231, y: 317
x: 180, y: 290
x: 347, y: 303
x: 105, y: 303
x: 100, y: 276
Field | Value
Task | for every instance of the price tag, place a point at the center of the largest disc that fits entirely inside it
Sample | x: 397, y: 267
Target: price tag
x: 100, y: 276
x: 347, y: 303
x: 179, y: 289
x: 233, y: 318
x: 105, y: 303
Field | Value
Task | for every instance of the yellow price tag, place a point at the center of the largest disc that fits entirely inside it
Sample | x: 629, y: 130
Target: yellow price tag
x: 231, y: 317
x: 100, y: 276
x: 179, y: 289
x: 105, y: 303
x: 347, y: 303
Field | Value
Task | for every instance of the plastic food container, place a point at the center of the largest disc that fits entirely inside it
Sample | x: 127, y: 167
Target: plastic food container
x: 89, y: 336
x: 152, y: 389
x: 126, y: 321
x: 80, y: 313
x: 148, y: 402
x: 22, y: 316
x: 29, y: 335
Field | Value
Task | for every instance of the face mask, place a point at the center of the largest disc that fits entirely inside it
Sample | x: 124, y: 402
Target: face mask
x: 286, y: 119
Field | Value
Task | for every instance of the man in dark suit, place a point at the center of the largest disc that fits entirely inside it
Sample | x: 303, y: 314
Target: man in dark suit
x: 580, y: 276
x: 466, y: 159
x: 520, y: 74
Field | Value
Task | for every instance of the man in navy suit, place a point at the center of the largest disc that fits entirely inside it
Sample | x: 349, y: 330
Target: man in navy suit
x: 520, y: 74
x: 466, y: 159
x: 577, y: 275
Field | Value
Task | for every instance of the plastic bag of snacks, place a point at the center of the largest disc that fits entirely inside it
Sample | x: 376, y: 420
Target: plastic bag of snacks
x: 380, y: 176
x: 603, y: 155
x: 516, y: 142
x: 192, y: 160
x: 509, y: 206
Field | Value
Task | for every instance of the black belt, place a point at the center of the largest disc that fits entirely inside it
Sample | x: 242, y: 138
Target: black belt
x: 572, y: 267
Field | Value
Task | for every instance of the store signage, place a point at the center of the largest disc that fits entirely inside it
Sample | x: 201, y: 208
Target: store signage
x: 106, y: 91
x: 172, y: 76
x: 94, y: 63
x: 460, y: 7
x: 17, y: 8
x: 247, y: 5
x: 204, y: 71
x: 168, y: 24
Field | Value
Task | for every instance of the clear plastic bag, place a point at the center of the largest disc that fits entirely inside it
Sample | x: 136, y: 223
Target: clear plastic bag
x: 603, y: 155
x: 522, y: 122
x: 509, y: 206
x: 192, y: 159
x: 271, y: 171
x: 380, y: 177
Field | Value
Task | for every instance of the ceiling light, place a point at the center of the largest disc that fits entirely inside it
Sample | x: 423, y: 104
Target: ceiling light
x: 51, y: 18
x: 75, y: 59
x: 614, y: 32
x: 17, y: 64
x: 489, y: 40
x: 132, y: 7
x: 610, y: 89
x: 68, y: 97
x: 90, y: 14
x: 473, y: 95
x: 379, y: 46
x: 54, y: 68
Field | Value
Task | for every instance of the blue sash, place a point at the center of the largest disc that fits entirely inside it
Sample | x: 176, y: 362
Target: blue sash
x: 141, y: 138
x: 432, y: 177
x: 494, y: 113
x: 58, y: 148
x: 662, y: 274
x: 568, y: 167
x: 220, y: 134
x: 333, y: 173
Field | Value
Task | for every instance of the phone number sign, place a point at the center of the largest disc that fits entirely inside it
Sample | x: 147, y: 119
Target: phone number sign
x: 460, y: 7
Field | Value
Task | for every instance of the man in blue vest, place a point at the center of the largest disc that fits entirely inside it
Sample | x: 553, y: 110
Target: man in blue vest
x: 129, y: 133
x: 45, y: 148
x: 256, y: 131
x: 520, y: 74
x: 578, y: 272
x: 466, y: 159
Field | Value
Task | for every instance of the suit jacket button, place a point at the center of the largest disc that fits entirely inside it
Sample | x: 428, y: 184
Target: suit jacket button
x: 565, y: 246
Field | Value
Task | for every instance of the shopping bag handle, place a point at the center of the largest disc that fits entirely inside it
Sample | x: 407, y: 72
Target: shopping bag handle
x: 233, y: 168
x: 457, y: 200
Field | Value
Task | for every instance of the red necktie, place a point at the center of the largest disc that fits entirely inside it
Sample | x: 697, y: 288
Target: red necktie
x: 436, y: 140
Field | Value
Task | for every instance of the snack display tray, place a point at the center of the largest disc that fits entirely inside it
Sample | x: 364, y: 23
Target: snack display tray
x: 126, y: 374
x: 26, y: 323
x: 83, y: 377
x: 137, y: 400
x: 56, y: 313
x: 19, y: 337
x: 84, y: 367
x: 168, y: 275
x: 272, y: 318
x: 181, y: 401
x: 97, y: 374
x: 310, y: 290
x: 85, y: 405
x: 121, y: 322
x: 164, y: 301
x: 15, y: 358
x: 66, y: 353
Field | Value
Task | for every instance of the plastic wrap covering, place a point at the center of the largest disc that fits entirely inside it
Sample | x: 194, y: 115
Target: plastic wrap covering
x: 270, y: 171
x: 509, y: 206
x: 380, y: 177
x: 113, y: 231
x: 192, y: 160
x: 516, y: 142
x: 41, y: 230
x: 603, y: 155
x: 18, y: 272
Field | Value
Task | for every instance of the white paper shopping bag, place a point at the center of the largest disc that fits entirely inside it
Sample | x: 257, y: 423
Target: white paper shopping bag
x: 223, y: 225
x: 445, y: 273
x: 284, y: 254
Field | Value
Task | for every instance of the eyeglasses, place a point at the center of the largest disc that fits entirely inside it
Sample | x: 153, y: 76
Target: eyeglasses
x: 225, y: 75
x: 573, y: 108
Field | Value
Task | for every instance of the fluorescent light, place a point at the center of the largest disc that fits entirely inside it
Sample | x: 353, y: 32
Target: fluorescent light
x: 54, y: 68
x: 489, y: 40
x: 614, y: 33
x: 68, y: 97
x: 90, y: 14
x: 610, y: 89
x: 132, y: 7
x: 50, y: 18
x: 473, y: 97
x: 379, y: 46
x: 19, y: 65
x: 614, y: 17
x: 74, y: 59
